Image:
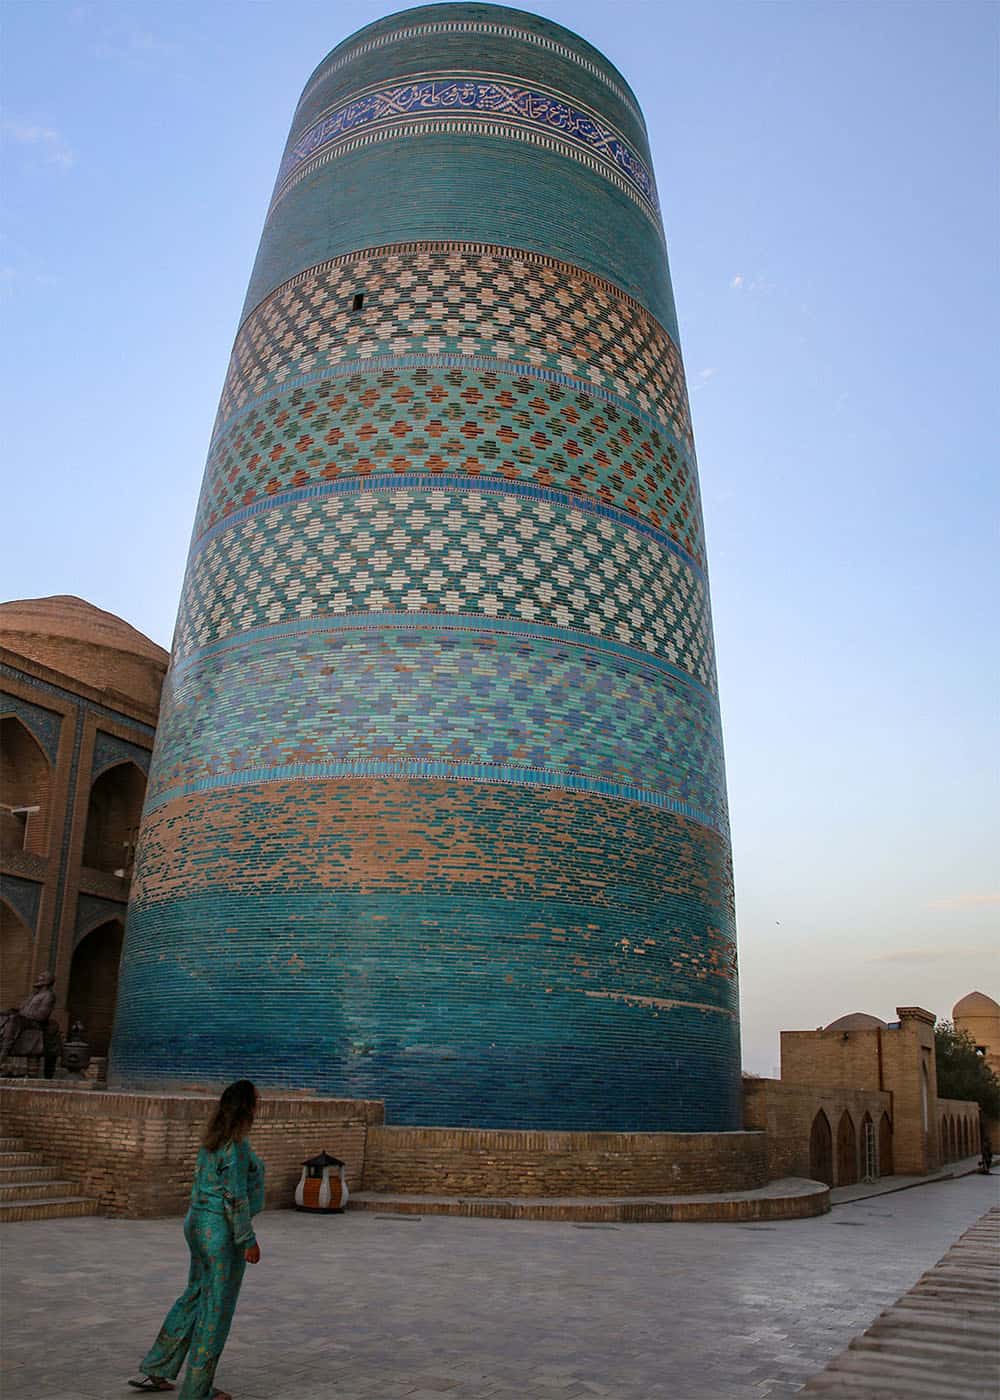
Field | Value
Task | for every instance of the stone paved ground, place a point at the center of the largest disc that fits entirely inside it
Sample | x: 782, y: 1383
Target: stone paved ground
x: 367, y: 1308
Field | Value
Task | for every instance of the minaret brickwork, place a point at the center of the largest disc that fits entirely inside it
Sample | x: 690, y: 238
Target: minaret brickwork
x: 437, y: 811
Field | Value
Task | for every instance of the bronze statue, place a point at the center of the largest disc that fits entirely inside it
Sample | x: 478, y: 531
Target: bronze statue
x: 29, y: 1020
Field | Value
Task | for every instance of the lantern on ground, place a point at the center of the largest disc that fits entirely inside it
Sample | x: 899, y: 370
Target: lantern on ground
x: 322, y: 1185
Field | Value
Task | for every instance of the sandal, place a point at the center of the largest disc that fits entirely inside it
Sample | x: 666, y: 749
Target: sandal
x: 151, y: 1383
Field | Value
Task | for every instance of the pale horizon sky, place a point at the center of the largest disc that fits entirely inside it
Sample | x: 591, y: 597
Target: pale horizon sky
x: 827, y: 174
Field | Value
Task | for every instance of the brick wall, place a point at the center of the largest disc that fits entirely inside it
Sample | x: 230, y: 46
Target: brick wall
x: 911, y: 1074
x: 840, y: 1058
x: 134, y: 1153
x: 456, y: 1161
x: 785, y: 1113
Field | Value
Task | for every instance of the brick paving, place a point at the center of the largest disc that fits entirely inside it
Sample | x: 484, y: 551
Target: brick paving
x: 364, y: 1307
x: 940, y: 1340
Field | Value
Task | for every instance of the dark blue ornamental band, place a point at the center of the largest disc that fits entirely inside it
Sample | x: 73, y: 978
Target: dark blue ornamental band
x: 521, y: 111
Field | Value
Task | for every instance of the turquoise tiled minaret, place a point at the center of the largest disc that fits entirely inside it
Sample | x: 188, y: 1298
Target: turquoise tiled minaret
x: 437, y: 811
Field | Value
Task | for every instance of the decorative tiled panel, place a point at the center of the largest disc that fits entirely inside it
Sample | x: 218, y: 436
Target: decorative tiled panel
x: 476, y: 956
x: 109, y: 750
x: 24, y: 897
x: 91, y: 912
x: 44, y: 725
x: 465, y: 553
x: 529, y: 709
x: 437, y: 808
x: 446, y: 299
x: 490, y: 422
x: 477, y: 102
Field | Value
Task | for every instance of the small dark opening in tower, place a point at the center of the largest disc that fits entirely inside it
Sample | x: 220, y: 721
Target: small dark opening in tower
x: 357, y: 301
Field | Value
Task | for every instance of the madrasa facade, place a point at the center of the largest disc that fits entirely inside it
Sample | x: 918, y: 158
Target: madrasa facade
x: 437, y: 809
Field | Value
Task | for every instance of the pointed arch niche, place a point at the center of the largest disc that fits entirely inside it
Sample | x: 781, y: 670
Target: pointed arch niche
x: 847, y: 1151
x: 113, y: 816
x: 17, y: 947
x: 25, y: 778
x: 821, y: 1149
x: 93, y: 983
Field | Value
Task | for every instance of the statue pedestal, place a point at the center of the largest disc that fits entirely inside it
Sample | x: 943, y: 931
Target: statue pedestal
x: 23, y: 1067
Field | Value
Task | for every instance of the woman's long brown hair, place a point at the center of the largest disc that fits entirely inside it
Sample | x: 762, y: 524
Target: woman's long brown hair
x: 233, y: 1116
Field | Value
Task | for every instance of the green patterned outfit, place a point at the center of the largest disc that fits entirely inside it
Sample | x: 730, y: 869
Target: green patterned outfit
x: 228, y: 1189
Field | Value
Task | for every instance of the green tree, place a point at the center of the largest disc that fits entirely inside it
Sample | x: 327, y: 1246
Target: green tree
x: 962, y: 1073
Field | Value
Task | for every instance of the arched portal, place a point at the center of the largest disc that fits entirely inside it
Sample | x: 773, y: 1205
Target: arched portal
x: 885, y: 1164
x: 847, y: 1151
x: 93, y: 984
x: 24, y: 790
x: 952, y: 1138
x: 16, y: 950
x: 113, y: 819
x: 821, y: 1149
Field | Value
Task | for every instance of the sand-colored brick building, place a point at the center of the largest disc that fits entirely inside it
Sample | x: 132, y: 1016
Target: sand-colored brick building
x: 79, y: 700
x: 858, y: 1098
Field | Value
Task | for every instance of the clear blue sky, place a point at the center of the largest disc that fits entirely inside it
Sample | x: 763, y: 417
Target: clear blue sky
x: 828, y: 178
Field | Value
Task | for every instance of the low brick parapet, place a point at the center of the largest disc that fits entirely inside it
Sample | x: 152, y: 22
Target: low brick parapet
x: 135, y: 1152
x: 491, y: 1162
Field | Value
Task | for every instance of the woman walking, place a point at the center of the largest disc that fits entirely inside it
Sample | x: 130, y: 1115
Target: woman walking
x: 228, y: 1189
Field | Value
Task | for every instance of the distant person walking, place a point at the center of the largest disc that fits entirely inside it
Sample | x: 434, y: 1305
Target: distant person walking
x: 228, y: 1190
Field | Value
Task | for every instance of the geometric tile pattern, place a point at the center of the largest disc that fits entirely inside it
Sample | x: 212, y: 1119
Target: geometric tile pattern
x: 44, y: 725
x: 460, y: 553
x: 109, y: 750
x: 435, y: 419
x: 439, y: 299
x: 398, y: 696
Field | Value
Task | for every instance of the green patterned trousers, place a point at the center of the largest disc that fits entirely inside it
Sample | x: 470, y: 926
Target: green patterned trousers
x: 198, y: 1323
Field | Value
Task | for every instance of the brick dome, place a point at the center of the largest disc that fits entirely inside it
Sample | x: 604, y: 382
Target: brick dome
x: 856, y: 1021
x: 975, y: 1004
x: 73, y: 637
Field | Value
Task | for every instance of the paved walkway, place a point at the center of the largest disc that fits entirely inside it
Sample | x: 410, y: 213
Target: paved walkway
x: 886, y: 1185
x: 939, y: 1341
x: 361, y: 1307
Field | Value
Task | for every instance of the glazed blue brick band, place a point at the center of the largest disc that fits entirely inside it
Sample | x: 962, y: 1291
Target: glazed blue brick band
x: 437, y: 812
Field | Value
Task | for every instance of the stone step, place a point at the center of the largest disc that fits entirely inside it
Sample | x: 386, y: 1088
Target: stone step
x: 36, y: 1173
x: 21, y: 1159
x: 36, y: 1190
x: 780, y: 1200
x: 56, y: 1208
